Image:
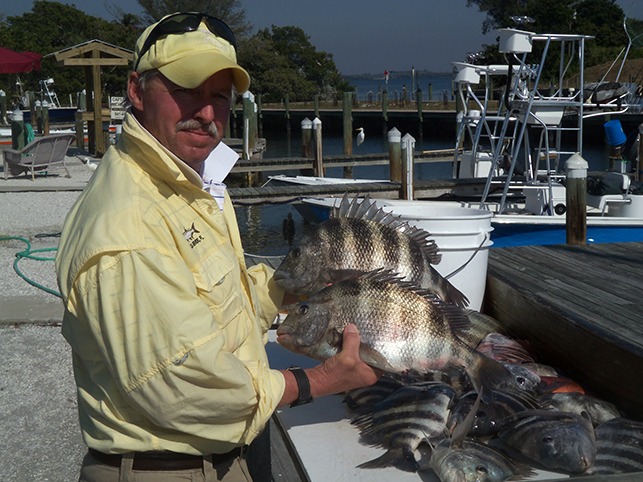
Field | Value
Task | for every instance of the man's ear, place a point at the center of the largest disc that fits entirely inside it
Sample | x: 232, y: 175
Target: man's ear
x: 134, y: 90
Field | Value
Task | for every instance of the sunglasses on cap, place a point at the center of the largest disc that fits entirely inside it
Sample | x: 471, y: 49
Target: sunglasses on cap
x: 186, y: 22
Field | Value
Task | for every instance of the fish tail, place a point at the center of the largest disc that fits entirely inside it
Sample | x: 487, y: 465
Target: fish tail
x: 398, y: 457
x: 488, y: 374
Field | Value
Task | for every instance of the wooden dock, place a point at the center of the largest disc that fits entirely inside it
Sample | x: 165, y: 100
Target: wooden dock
x: 390, y: 190
x: 581, y: 308
x: 353, y: 160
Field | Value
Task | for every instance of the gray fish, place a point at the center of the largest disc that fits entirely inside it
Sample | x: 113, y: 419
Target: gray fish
x: 489, y: 416
x: 473, y: 461
x: 409, y: 416
x: 360, y: 237
x: 597, y: 410
x: 402, y: 329
x: 364, y: 399
x: 619, y: 447
x: 557, y: 441
x: 481, y: 325
x: 460, y: 459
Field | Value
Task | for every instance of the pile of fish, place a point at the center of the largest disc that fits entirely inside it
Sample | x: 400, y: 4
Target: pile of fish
x: 459, y: 396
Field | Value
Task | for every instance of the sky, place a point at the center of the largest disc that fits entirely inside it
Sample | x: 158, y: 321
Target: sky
x: 364, y: 36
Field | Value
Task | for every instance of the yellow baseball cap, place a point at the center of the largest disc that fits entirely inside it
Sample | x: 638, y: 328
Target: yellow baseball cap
x: 188, y: 48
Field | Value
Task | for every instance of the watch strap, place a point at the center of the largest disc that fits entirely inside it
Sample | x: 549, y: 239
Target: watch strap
x: 303, y: 384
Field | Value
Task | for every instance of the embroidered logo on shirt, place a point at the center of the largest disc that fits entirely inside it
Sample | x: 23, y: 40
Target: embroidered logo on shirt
x: 192, y: 236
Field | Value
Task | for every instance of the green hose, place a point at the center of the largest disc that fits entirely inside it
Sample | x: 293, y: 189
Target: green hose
x: 29, y: 254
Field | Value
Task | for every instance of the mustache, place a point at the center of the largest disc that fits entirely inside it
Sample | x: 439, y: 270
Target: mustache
x: 193, y: 125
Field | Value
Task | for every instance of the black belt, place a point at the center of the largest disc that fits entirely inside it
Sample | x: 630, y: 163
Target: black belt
x: 161, y: 461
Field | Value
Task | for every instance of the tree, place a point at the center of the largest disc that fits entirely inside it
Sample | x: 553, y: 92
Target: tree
x: 230, y: 11
x: 602, y: 19
x: 53, y: 26
x: 281, y: 60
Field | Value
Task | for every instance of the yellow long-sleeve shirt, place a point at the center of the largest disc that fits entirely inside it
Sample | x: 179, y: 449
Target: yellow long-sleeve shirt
x: 166, y: 324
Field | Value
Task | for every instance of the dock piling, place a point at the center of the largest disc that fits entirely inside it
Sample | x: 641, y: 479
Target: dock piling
x: 395, y: 154
x: 306, y: 136
x: 408, y: 146
x: 17, y: 129
x: 576, y: 199
x: 318, y: 164
x: 3, y: 107
x: 348, y: 130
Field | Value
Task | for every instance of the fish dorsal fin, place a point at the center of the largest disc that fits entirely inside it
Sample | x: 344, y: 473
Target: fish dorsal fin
x: 456, y: 316
x: 366, y: 209
x: 463, y: 428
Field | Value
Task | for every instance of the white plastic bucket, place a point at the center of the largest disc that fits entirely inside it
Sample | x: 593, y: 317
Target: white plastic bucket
x: 463, y: 236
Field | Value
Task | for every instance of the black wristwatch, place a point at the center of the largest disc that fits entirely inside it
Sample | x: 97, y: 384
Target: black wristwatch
x: 304, y: 386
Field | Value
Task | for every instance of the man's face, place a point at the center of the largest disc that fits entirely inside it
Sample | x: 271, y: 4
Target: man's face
x: 188, y: 122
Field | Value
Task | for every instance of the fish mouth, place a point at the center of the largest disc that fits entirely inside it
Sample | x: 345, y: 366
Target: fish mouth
x: 284, y: 330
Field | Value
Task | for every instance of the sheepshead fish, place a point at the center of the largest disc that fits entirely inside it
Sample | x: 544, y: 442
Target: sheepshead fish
x: 557, y: 441
x: 402, y: 329
x: 360, y: 237
x: 597, y: 410
x: 364, y: 399
x: 473, y: 461
x: 461, y: 459
x: 488, y: 418
x: 407, y: 417
x: 619, y: 447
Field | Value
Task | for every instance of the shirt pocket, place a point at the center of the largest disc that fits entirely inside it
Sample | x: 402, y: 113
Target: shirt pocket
x: 218, y: 282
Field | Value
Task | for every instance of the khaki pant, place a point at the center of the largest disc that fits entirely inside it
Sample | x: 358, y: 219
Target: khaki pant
x: 92, y: 470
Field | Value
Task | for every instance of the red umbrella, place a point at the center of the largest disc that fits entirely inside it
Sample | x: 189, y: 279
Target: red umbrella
x: 12, y: 62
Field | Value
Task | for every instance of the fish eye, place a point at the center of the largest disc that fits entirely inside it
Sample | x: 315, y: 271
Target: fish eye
x: 296, y: 252
x: 548, y: 439
x: 303, y: 309
x: 522, y: 381
x: 481, y: 469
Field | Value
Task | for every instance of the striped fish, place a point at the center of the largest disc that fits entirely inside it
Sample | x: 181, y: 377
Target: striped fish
x: 364, y: 399
x: 619, y: 447
x: 360, y: 237
x: 557, y: 441
x: 489, y: 416
x: 597, y: 410
x: 406, y: 418
x: 403, y: 330
x: 474, y: 461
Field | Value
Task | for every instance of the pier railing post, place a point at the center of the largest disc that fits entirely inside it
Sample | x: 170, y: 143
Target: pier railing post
x: 576, y: 199
x: 318, y: 165
x: 395, y: 154
x: 408, y: 146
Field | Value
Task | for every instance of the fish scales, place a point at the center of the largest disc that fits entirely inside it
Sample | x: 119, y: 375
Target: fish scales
x: 619, y: 447
x: 473, y: 461
x: 342, y: 245
x: 363, y: 399
x: 555, y: 440
x: 409, y: 416
x: 402, y: 329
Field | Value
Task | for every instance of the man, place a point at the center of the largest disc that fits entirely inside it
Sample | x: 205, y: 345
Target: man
x: 165, y: 322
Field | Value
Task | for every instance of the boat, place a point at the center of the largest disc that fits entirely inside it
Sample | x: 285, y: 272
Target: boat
x: 519, y: 146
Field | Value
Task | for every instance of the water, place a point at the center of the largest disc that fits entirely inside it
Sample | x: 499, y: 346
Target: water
x: 261, y: 226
